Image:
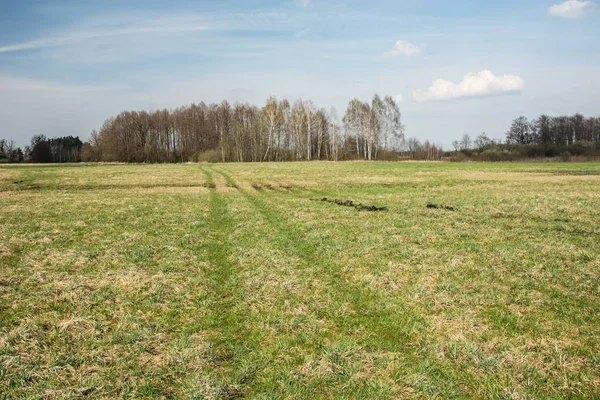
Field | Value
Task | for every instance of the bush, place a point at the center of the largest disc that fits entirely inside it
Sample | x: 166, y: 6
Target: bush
x: 459, y: 157
x: 210, y: 156
x: 387, y: 156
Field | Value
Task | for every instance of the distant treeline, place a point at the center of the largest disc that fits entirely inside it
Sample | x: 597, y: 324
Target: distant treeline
x: 59, y: 150
x: 278, y: 131
x: 10, y: 153
x: 43, y: 150
x: 561, y: 131
x: 545, y: 137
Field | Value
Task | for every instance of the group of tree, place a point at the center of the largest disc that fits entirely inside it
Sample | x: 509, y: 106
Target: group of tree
x: 279, y: 131
x: 562, y: 131
x: 43, y: 150
x: 545, y: 137
x: 414, y: 149
x: 10, y: 153
x: 480, y: 143
x: 59, y: 150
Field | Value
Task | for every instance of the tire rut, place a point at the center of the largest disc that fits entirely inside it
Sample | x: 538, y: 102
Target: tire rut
x: 228, y: 322
x: 376, y: 323
x: 390, y: 327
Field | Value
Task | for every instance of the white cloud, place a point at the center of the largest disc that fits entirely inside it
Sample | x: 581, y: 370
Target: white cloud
x: 398, y: 98
x: 403, y: 47
x: 305, y: 3
x: 572, y: 9
x: 483, y: 83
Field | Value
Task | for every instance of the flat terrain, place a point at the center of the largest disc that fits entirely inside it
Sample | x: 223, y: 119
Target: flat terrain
x: 233, y: 281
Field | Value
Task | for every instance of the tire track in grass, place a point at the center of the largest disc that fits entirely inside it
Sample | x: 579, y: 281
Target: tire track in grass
x: 375, y: 323
x: 230, y: 339
x: 292, y: 240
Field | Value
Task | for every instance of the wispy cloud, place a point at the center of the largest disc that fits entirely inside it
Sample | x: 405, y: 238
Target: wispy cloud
x: 305, y: 3
x: 403, y: 47
x: 572, y: 9
x: 75, y: 37
x: 14, y: 84
x: 480, y: 84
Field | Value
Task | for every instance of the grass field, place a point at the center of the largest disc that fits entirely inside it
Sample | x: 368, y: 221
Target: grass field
x: 233, y: 281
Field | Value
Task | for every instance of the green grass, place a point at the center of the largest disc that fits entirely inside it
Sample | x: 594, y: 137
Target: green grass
x: 233, y: 281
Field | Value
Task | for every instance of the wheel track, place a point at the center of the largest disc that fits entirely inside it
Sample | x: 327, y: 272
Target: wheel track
x: 229, y: 335
x: 376, y: 324
x: 363, y: 301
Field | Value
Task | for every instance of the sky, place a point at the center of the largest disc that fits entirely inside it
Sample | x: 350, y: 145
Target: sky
x: 456, y: 67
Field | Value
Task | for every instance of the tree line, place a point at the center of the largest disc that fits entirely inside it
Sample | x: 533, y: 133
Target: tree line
x: 59, y: 150
x: 282, y: 132
x: 10, y: 153
x: 43, y: 150
x: 279, y: 131
x: 562, y: 130
x: 546, y: 136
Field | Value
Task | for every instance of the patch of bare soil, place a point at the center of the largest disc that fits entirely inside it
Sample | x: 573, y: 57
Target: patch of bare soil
x: 440, y: 207
x: 350, y: 203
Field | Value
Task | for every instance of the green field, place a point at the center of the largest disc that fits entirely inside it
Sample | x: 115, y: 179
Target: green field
x: 228, y: 281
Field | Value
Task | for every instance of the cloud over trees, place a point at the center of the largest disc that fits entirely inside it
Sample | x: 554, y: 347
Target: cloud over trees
x: 479, y: 84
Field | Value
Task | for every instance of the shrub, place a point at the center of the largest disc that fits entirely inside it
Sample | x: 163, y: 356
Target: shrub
x: 210, y: 156
x: 459, y: 157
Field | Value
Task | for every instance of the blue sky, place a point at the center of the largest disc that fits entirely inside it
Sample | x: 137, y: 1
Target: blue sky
x: 459, y: 66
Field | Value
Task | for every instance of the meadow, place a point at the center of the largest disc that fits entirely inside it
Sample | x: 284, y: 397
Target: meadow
x: 226, y: 281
